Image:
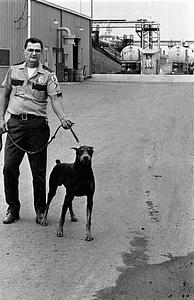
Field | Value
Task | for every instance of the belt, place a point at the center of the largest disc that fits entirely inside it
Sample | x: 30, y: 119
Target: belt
x: 26, y: 117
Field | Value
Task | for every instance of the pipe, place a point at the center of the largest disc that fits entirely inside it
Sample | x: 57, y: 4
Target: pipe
x: 59, y: 35
x: 64, y: 29
x: 29, y: 18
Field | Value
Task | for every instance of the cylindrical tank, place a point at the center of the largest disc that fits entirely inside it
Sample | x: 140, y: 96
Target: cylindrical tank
x: 130, y: 53
x: 190, y: 55
x: 191, y: 46
x: 177, y: 54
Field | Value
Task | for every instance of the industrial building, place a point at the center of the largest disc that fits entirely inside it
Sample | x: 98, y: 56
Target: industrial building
x: 66, y: 36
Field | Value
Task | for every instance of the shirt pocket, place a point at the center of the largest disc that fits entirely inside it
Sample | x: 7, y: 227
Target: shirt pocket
x: 17, y: 86
x: 39, y: 91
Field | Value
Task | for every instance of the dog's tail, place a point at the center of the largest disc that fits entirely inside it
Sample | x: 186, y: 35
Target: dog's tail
x: 58, y: 162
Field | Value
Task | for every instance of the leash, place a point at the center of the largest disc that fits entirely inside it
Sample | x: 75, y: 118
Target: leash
x: 1, y: 143
x: 75, y: 136
x: 39, y: 150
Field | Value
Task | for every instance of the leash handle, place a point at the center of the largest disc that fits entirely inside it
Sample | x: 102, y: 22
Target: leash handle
x: 75, y: 136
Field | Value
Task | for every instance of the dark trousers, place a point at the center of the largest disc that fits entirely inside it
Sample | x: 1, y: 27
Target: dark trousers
x: 31, y: 135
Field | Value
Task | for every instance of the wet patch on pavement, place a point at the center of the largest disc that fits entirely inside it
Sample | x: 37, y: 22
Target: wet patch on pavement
x: 153, y: 211
x: 171, y: 279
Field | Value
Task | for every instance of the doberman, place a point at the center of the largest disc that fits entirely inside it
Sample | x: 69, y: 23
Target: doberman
x: 78, y: 179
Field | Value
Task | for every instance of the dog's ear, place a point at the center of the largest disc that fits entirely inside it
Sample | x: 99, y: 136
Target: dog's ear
x: 74, y: 148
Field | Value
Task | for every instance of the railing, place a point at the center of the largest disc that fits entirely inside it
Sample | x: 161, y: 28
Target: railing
x: 109, y: 52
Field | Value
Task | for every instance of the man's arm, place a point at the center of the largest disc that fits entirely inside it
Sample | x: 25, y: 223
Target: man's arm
x: 57, y: 107
x: 3, y: 107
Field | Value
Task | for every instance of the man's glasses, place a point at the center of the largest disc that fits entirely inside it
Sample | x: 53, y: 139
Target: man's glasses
x: 37, y: 51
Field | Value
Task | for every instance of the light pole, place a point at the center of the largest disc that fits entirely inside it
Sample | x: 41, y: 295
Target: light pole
x: 80, y: 6
x: 91, y: 9
x: 91, y: 25
x: 29, y: 18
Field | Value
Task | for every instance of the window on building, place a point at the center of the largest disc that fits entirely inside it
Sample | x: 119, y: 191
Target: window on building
x: 4, y: 57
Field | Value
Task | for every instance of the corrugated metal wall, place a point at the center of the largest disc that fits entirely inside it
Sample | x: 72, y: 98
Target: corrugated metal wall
x: 42, y: 22
x: 13, y: 30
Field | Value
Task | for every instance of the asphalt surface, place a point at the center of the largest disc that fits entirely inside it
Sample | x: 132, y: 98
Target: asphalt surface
x: 143, y: 248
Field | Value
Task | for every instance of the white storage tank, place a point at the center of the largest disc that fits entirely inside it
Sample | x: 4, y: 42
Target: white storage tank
x: 177, y: 54
x: 130, y: 53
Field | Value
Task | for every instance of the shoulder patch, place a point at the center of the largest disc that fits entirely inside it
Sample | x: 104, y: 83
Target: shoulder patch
x: 46, y: 68
x: 54, y: 78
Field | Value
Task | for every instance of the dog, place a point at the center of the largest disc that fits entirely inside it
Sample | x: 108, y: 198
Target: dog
x: 78, y: 179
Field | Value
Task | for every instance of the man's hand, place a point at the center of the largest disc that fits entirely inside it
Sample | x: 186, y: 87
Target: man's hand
x: 57, y: 105
x: 3, y: 127
x: 66, y: 123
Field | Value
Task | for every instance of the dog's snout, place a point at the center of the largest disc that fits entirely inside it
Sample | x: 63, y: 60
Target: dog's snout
x: 85, y: 158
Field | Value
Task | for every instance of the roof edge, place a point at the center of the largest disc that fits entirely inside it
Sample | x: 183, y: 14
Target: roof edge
x: 63, y: 8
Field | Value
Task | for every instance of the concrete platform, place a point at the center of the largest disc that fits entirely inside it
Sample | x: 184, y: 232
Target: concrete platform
x: 142, y: 78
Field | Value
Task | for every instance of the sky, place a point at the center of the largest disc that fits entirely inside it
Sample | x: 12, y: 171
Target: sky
x: 176, y: 17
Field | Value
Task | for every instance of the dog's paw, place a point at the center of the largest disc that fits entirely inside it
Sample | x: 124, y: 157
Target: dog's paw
x: 59, y: 232
x: 89, y: 238
x: 44, y: 222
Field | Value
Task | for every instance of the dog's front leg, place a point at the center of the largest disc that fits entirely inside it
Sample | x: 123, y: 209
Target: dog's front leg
x: 89, y: 236
x: 72, y: 215
x: 68, y: 199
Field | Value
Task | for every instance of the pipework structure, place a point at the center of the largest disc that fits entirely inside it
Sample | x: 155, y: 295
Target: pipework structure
x: 147, y: 30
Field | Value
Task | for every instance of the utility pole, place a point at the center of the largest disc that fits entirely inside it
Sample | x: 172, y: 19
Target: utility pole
x: 29, y: 18
x: 80, y: 6
x: 91, y: 9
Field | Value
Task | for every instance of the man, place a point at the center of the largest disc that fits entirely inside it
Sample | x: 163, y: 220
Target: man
x: 26, y: 89
x: 148, y: 63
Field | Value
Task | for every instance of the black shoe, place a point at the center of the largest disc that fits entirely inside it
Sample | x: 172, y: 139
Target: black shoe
x: 10, y: 218
x: 39, y: 217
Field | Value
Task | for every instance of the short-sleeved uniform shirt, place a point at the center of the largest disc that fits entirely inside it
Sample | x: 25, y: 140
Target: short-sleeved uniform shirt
x: 29, y: 95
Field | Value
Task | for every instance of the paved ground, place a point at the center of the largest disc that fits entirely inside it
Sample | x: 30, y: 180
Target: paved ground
x: 143, y: 218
